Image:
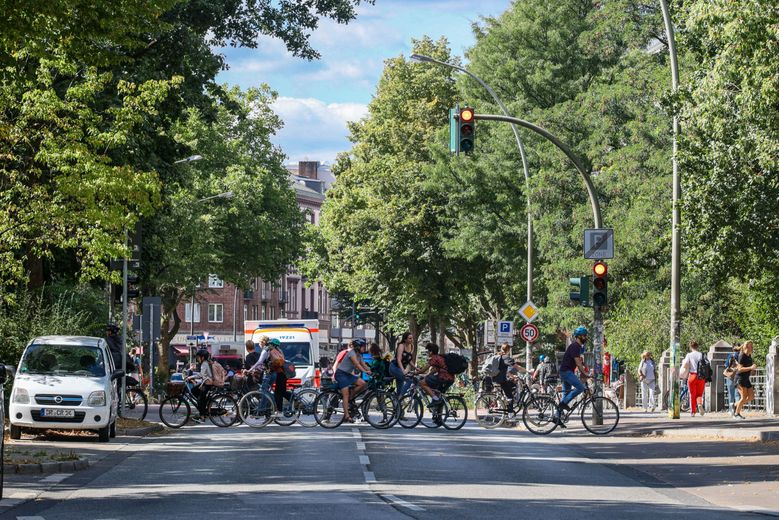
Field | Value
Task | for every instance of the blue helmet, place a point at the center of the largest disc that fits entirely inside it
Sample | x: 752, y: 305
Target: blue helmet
x: 541, y: 358
x: 359, y: 342
x: 580, y: 331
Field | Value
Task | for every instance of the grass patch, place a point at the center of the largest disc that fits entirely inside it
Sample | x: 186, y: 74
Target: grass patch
x: 15, y: 455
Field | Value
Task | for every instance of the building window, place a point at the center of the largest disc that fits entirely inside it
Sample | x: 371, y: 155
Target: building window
x: 293, y: 297
x: 335, y: 321
x: 254, y: 312
x: 264, y: 311
x: 214, y: 282
x: 245, y: 312
x: 188, y: 312
x: 273, y: 313
x: 319, y: 308
x: 215, y: 313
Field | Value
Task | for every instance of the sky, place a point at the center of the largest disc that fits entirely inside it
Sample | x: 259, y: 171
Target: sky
x: 317, y: 98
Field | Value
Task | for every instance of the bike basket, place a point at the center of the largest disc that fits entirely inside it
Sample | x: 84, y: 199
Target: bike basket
x: 236, y: 383
x: 174, y: 388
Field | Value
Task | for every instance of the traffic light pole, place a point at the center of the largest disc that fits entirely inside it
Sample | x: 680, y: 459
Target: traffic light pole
x: 124, y: 324
x: 597, y: 338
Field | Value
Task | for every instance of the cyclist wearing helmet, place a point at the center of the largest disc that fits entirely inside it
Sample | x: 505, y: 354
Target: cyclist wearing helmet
x: 572, y: 359
x: 202, y: 380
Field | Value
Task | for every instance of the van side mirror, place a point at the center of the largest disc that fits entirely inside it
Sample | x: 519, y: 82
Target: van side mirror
x: 117, y: 374
x: 6, y: 371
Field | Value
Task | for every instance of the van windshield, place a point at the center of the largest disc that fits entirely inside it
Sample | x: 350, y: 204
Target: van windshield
x: 63, y: 360
x: 297, y: 353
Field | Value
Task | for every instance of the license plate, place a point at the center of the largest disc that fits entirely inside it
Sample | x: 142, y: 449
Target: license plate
x: 57, y: 412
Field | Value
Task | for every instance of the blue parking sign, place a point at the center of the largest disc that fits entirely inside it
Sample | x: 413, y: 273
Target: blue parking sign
x: 505, y: 327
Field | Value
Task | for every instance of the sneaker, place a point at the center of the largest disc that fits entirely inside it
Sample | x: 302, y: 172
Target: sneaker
x: 741, y: 417
x: 701, y: 411
x: 435, y: 403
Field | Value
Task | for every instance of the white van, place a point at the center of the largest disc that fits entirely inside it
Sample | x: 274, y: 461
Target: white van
x: 65, y: 382
x: 299, y: 342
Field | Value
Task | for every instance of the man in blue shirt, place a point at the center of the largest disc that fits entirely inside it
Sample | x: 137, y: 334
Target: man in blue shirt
x: 572, y: 359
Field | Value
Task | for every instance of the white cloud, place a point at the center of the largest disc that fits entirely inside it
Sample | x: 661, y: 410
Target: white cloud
x: 313, y: 128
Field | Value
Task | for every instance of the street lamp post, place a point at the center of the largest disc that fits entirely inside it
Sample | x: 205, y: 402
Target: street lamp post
x: 676, y: 321
x: 427, y: 59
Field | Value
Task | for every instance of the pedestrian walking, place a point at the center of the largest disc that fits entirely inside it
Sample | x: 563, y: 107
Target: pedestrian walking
x: 744, y: 369
x: 695, y: 384
x: 730, y: 378
x: 647, y: 375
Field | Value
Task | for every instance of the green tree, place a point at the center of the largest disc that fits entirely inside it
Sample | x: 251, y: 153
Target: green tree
x: 256, y: 233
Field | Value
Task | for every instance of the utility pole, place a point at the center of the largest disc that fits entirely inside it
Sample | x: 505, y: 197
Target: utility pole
x: 124, y: 323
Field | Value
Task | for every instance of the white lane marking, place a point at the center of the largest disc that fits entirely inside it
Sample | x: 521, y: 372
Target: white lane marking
x: 56, y: 477
x: 361, y: 446
x: 402, y: 503
x: 364, y: 460
x: 369, y: 476
x: 30, y: 518
x: 356, y: 433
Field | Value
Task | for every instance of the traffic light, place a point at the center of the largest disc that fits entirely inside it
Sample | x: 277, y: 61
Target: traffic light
x: 466, y: 124
x: 580, y: 290
x: 132, y: 286
x: 600, y: 284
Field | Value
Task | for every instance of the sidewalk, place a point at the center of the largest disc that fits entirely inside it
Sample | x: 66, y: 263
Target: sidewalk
x: 758, y: 427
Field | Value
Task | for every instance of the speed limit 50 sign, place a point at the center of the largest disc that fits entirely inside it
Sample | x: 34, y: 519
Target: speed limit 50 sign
x: 529, y: 332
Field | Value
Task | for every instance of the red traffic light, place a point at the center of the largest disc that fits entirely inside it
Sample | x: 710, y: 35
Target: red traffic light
x: 466, y: 115
x: 600, y: 269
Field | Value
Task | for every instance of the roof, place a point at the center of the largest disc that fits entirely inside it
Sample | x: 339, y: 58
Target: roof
x: 67, y: 340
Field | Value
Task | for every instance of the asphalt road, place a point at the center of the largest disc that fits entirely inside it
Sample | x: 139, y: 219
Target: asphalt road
x: 358, y: 472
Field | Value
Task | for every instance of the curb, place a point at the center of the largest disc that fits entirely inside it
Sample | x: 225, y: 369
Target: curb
x: 48, y: 467
x: 142, y: 432
x: 720, y: 433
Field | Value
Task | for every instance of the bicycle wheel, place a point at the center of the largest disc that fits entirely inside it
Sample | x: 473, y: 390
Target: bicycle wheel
x: 490, y: 411
x: 380, y: 409
x: 288, y: 414
x: 456, y: 412
x: 600, y: 415
x: 684, y: 402
x: 538, y: 415
x: 174, y: 411
x: 410, y: 411
x: 328, y: 409
x: 304, y: 401
x: 135, y: 405
x: 222, y: 410
x: 256, y: 409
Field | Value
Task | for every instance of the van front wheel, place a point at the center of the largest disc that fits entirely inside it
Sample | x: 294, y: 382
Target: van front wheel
x: 16, y: 432
x: 104, y: 434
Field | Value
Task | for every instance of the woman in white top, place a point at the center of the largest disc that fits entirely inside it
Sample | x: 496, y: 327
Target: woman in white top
x: 695, y: 385
x: 646, y: 374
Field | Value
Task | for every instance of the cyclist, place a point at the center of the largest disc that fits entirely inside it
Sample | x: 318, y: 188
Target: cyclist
x: 438, y: 378
x: 350, y: 362
x: 402, y: 362
x: 572, y: 359
x: 201, y: 380
x: 503, y: 379
x: 252, y: 356
x: 544, y: 372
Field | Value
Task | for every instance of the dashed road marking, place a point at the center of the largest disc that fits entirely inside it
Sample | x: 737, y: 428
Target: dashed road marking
x: 361, y: 446
x: 364, y: 460
x: 369, y: 476
x: 402, y: 503
x: 30, y: 518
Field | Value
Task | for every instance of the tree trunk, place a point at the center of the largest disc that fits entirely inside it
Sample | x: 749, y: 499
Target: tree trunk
x: 171, y: 298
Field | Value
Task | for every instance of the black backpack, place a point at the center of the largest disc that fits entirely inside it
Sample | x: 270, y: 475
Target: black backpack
x: 704, y: 368
x: 455, y: 363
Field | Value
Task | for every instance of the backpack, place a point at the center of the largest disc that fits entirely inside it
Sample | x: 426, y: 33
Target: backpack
x: 275, y: 360
x: 217, y: 373
x: 704, y: 368
x: 491, y: 366
x: 455, y: 363
x: 289, y: 369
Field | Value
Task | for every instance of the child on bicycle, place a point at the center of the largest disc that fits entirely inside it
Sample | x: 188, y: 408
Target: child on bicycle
x: 438, y: 378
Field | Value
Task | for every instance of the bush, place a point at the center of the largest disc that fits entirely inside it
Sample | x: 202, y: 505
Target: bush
x: 34, y: 314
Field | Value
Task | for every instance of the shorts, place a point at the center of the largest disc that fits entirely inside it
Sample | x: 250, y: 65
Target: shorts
x: 344, y: 379
x: 435, y: 382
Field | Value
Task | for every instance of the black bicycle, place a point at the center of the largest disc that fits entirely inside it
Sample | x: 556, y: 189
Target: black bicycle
x: 493, y: 409
x: 599, y: 415
x: 378, y: 406
x: 136, y: 404
x: 177, y: 408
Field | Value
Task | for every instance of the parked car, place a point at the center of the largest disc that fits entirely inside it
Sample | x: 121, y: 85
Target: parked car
x: 65, y: 382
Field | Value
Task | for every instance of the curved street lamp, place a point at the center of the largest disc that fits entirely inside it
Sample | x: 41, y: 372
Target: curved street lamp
x: 420, y: 58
